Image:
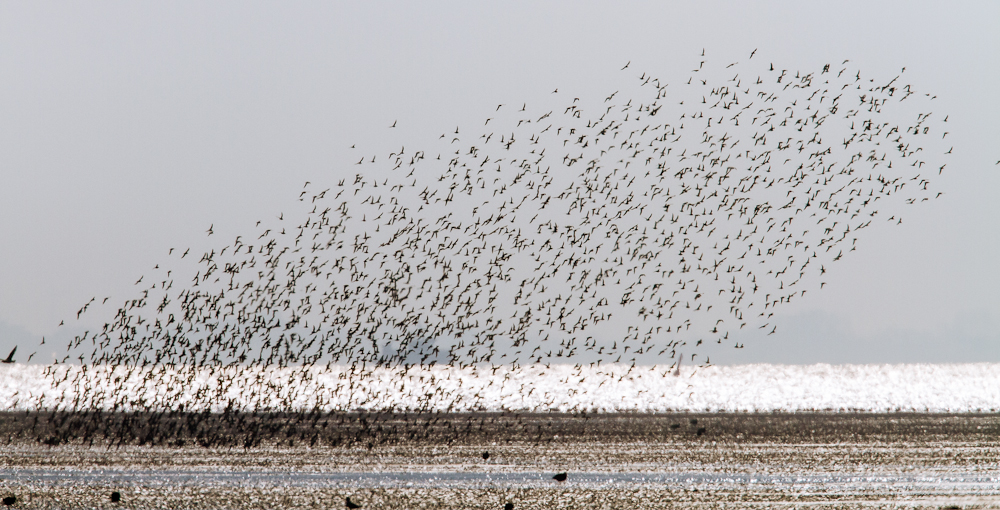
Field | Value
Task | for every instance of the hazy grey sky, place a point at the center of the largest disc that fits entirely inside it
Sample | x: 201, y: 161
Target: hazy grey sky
x: 127, y: 129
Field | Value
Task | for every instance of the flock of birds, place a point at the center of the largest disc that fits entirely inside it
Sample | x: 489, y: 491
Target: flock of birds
x: 662, y: 218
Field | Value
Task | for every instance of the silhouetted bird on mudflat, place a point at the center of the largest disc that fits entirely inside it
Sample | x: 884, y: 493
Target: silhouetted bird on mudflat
x: 508, y: 506
x: 486, y: 455
x: 351, y: 504
x: 9, y: 500
x: 116, y: 497
x: 560, y: 477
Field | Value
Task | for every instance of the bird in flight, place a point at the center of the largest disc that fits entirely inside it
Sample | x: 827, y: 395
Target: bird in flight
x: 10, y: 357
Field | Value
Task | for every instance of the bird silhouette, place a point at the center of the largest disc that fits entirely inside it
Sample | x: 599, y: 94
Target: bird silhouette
x: 351, y: 504
x: 10, y: 357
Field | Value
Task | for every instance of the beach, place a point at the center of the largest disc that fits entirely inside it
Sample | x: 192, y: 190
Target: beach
x: 613, y: 460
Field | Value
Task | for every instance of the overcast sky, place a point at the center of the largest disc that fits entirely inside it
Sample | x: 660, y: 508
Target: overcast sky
x: 127, y: 129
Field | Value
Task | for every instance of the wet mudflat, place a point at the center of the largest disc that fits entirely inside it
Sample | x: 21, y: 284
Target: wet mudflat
x: 828, y: 460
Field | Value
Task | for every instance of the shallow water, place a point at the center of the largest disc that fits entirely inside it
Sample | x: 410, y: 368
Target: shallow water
x: 908, y: 483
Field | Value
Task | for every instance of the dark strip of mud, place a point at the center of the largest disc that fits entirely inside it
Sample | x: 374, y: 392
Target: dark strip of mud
x: 318, y: 429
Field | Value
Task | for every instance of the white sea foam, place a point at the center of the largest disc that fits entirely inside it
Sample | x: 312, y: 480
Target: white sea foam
x: 751, y: 388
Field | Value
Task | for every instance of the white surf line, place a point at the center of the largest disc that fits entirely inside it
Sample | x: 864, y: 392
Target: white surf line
x: 937, y: 388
